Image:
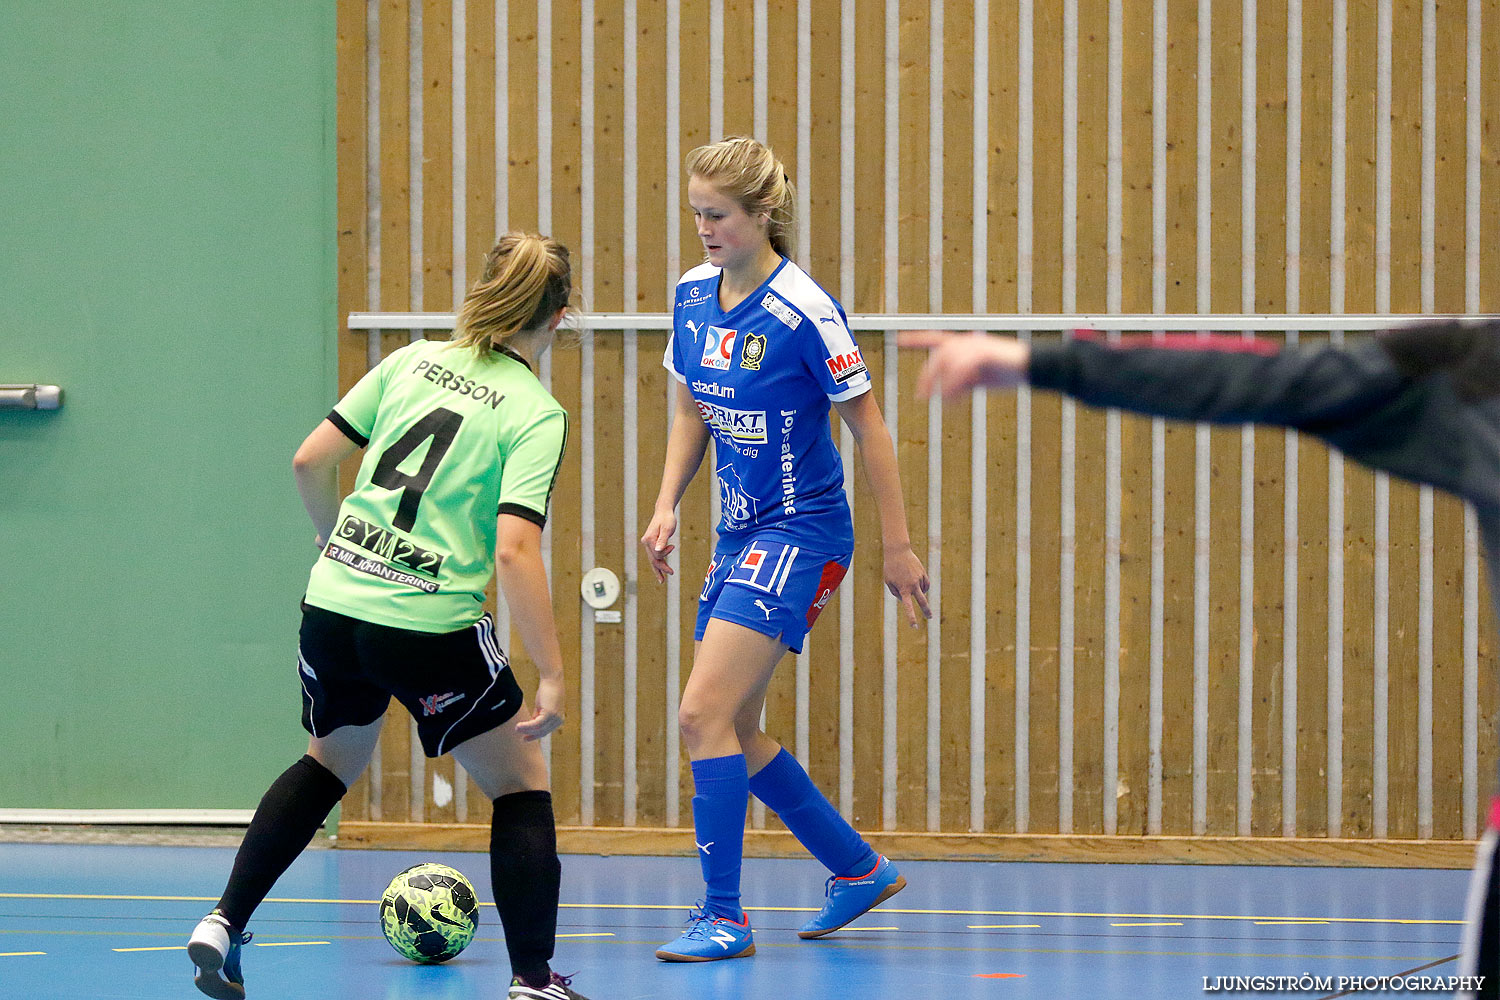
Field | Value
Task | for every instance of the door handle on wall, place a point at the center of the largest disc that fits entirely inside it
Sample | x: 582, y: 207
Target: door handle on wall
x: 30, y: 397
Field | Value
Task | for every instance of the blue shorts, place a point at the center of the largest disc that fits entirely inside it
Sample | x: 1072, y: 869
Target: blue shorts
x: 771, y: 583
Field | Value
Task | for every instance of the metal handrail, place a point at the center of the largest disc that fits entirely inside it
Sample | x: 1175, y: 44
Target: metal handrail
x: 30, y: 397
x: 1190, y: 322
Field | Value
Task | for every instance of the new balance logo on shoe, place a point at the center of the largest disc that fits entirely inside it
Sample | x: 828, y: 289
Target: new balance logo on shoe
x: 723, y: 938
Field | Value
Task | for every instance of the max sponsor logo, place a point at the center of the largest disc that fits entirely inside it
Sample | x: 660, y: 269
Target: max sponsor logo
x: 844, y: 367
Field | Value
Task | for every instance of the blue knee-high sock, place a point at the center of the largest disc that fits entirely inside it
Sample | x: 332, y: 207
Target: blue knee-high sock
x: 787, y: 790
x: 721, y: 793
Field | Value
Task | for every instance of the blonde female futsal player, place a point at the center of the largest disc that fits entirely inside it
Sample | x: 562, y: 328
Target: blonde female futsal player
x: 393, y: 606
x: 760, y: 352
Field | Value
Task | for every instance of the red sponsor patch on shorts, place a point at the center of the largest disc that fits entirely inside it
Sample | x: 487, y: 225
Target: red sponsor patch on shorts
x: 833, y: 575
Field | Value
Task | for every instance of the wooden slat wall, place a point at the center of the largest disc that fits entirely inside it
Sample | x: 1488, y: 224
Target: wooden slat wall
x: 1309, y: 684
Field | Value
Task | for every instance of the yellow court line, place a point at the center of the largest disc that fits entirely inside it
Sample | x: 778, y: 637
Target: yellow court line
x: 1001, y: 927
x: 175, y: 947
x: 19, y: 954
x: 286, y: 944
x: 1159, y: 924
x: 786, y: 909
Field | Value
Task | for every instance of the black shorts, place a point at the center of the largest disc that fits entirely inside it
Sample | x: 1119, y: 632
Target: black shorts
x: 457, y: 685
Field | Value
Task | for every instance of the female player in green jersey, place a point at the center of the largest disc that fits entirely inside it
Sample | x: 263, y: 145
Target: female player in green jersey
x: 394, y: 602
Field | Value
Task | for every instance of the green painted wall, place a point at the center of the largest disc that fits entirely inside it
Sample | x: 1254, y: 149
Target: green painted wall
x: 167, y: 256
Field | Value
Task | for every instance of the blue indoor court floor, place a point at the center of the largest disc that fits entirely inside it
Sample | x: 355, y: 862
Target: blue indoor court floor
x: 111, y: 922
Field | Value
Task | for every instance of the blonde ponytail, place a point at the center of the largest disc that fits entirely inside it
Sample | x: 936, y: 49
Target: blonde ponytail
x: 526, y: 279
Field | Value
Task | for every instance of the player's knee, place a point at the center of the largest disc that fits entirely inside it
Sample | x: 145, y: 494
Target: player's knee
x: 700, y: 723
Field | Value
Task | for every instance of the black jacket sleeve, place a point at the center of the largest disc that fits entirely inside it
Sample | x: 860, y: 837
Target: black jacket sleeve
x: 1354, y: 398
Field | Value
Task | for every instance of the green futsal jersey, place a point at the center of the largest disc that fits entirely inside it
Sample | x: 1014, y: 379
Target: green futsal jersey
x: 452, y: 440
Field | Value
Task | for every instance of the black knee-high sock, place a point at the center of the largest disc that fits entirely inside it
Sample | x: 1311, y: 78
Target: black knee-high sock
x: 526, y: 874
x: 290, y: 812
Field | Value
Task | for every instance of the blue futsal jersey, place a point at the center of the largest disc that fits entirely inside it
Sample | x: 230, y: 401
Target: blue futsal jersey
x: 763, y: 376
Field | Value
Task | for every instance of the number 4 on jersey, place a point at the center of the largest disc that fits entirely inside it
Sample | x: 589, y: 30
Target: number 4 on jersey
x: 440, y: 425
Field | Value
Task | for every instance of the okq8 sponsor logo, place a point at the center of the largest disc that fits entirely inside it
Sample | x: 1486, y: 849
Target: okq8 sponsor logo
x: 718, y: 348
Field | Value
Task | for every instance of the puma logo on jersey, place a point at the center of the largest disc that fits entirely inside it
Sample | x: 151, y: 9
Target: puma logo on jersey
x: 828, y: 319
x: 767, y: 610
x: 697, y: 328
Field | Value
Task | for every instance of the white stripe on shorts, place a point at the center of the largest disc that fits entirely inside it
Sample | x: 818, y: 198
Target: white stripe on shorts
x: 485, y: 634
x: 790, y: 556
x: 303, y: 667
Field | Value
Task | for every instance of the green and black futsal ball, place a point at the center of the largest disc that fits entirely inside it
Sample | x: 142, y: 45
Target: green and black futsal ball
x: 429, y: 913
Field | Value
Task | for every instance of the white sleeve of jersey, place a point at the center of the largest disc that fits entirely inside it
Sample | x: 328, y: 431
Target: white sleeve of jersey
x: 670, y: 363
x: 843, y: 375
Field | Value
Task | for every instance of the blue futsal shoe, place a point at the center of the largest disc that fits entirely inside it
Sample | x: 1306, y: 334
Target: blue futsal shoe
x: 215, y: 947
x: 849, y: 896
x: 709, y: 938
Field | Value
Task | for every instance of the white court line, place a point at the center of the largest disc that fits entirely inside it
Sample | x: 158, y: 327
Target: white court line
x: 784, y: 909
x: 288, y: 944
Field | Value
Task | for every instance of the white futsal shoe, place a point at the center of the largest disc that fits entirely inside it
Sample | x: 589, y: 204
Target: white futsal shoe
x: 215, y: 948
